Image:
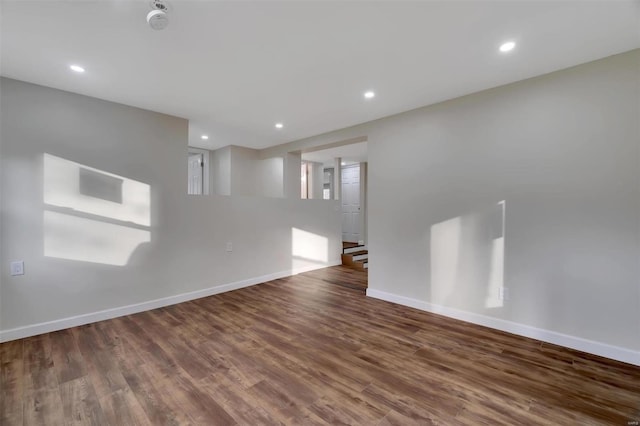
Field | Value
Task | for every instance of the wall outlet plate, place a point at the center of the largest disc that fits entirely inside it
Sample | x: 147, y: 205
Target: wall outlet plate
x: 17, y: 267
x: 229, y: 247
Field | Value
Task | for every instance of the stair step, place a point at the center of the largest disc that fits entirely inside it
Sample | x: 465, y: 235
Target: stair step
x: 362, y: 264
x: 355, y: 255
x: 354, y: 249
x: 363, y: 256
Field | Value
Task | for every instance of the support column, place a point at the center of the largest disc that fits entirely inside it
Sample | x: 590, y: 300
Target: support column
x: 337, y: 178
x: 292, y: 164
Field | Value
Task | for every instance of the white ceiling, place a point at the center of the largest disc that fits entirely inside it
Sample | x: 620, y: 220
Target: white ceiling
x: 236, y: 68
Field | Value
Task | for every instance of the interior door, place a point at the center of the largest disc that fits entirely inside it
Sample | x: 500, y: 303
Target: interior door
x: 351, y: 216
x: 195, y: 176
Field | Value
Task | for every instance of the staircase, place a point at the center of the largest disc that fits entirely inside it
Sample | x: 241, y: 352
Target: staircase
x: 355, y: 256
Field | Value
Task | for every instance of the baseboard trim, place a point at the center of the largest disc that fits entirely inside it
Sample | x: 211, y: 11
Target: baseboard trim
x: 74, y: 321
x: 601, y: 349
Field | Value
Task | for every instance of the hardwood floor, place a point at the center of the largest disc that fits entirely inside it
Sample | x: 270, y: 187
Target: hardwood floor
x: 306, y: 350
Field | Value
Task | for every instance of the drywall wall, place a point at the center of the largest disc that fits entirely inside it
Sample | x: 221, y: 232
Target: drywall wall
x: 244, y: 167
x: 240, y: 171
x: 534, y: 187
x: 270, y: 175
x: 292, y: 167
x: 94, y: 202
x: 220, y: 171
x: 316, y: 180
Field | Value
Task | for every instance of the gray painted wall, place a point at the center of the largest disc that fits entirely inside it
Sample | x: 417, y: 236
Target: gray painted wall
x: 220, y: 171
x: 563, y: 152
x: 85, y: 250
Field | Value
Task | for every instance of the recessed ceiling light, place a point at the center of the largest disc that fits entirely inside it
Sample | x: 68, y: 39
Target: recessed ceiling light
x: 343, y: 163
x: 204, y: 137
x: 76, y: 68
x: 279, y: 125
x: 508, y: 46
x: 369, y: 95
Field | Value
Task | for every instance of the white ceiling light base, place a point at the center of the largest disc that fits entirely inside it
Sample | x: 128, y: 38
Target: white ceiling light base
x: 157, y: 18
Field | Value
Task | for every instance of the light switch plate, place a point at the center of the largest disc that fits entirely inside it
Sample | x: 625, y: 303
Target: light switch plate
x: 17, y: 267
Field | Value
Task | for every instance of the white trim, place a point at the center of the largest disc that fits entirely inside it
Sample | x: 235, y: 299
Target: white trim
x: 354, y: 249
x: 63, y: 323
x: 597, y: 348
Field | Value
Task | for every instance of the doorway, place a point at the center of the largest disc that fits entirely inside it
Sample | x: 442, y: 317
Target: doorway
x: 352, y: 217
x: 197, y: 171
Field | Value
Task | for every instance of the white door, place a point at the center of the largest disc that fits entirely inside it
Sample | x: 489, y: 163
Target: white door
x: 195, y: 174
x: 351, y: 216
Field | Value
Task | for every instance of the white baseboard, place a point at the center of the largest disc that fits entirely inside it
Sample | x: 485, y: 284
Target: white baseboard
x: 63, y: 323
x: 597, y: 348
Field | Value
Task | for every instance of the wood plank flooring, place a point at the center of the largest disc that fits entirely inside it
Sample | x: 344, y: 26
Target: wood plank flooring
x: 305, y: 350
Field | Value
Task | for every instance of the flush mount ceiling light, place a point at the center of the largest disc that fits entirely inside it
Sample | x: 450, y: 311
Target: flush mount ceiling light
x: 204, y: 137
x: 279, y: 125
x: 369, y: 94
x: 507, y: 46
x: 157, y: 18
x: 76, y: 68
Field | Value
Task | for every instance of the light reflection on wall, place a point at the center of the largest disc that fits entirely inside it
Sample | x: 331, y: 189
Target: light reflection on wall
x: 87, y: 240
x: 496, y: 271
x: 445, y: 251
x: 91, y: 215
x: 308, y: 248
x: 62, y: 188
x: 467, y: 259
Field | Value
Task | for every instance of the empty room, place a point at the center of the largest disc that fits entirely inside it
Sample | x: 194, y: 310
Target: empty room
x: 320, y: 212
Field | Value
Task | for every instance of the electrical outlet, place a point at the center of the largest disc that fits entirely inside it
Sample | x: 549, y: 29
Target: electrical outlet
x: 229, y: 247
x: 17, y: 267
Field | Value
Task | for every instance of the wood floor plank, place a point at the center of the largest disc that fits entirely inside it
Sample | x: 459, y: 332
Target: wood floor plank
x: 12, y: 378
x: 43, y: 407
x: 122, y: 408
x: 80, y: 404
x: 67, y: 359
x: 306, y: 350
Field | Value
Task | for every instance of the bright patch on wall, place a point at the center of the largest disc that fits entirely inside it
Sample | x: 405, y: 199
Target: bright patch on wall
x: 467, y: 259
x: 84, y: 189
x: 308, y: 249
x: 88, y: 240
x: 91, y: 215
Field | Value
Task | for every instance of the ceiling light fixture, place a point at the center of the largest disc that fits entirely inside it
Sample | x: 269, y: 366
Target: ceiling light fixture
x: 279, y: 125
x: 507, y: 47
x: 204, y: 137
x: 369, y: 95
x: 157, y: 18
x: 76, y: 68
